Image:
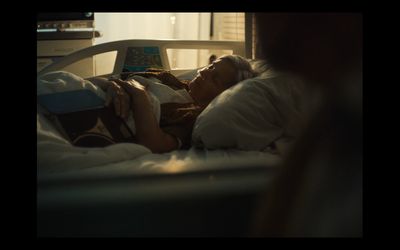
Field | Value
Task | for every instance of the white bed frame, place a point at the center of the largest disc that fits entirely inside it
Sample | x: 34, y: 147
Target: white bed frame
x: 121, y: 47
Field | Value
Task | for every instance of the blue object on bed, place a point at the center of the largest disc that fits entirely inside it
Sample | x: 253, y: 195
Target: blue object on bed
x: 70, y: 101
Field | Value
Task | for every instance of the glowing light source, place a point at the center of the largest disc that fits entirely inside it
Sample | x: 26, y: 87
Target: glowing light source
x: 175, y: 165
x: 173, y: 19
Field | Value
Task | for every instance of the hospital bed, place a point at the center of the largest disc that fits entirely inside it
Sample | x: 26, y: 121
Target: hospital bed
x: 195, y: 192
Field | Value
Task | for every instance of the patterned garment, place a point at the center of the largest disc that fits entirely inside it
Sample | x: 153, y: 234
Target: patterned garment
x: 178, y: 119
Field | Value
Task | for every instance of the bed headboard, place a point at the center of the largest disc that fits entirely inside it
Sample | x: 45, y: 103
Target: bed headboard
x: 121, y: 47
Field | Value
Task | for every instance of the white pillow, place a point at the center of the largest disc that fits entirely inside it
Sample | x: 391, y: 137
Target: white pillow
x: 251, y: 114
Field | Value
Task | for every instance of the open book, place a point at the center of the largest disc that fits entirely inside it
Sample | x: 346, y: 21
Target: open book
x: 81, y: 116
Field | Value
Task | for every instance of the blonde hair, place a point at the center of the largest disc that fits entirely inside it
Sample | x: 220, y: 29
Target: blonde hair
x: 242, y: 65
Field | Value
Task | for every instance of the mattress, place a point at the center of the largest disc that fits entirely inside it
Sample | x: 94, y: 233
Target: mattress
x: 175, y: 162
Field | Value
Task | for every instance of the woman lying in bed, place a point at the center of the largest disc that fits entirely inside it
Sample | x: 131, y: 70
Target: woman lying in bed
x: 177, y: 119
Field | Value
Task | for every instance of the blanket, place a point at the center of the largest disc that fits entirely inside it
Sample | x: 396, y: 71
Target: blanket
x: 56, y: 154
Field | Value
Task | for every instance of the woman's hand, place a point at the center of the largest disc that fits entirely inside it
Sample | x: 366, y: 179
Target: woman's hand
x: 135, y: 90
x: 120, y: 98
x: 148, y: 131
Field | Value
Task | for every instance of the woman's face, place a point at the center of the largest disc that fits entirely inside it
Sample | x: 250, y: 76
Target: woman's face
x: 212, y: 81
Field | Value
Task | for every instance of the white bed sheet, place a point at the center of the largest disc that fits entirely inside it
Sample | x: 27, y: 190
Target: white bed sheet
x: 59, y: 159
x: 178, y: 161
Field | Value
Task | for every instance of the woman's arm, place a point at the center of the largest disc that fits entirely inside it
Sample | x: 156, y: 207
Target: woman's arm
x: 100, y: 82
x: 148, y: 131
x: 115, y: 94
